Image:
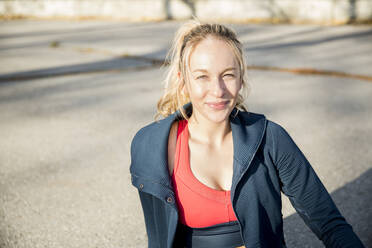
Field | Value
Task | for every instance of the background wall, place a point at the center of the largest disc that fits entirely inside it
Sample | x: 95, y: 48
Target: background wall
x: 296, y: 11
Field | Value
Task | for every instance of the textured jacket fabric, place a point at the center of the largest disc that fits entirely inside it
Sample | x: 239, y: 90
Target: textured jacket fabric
x: 266, y: 162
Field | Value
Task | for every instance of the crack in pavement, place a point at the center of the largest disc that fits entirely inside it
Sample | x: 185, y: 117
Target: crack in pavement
x: 311, y: 71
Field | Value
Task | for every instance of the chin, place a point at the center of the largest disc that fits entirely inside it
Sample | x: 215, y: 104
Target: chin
x: 218, y: 117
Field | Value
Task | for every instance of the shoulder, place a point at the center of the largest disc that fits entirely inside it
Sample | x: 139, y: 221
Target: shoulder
x: 151, y: 138
x: 143, y: 146
x: 279, y: 141
x: 147, y: 134
x: 271, y: 127
x: 276, y: 132
x: 275, y: 128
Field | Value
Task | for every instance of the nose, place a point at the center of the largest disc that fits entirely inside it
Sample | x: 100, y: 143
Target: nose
x: 218, y: 87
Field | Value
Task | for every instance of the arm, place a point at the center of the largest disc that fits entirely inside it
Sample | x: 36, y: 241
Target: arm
x: 307, y: 193
x: 146, y: 202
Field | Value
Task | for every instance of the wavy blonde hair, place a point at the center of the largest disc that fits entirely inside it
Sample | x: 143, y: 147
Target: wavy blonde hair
x: 187, y: 37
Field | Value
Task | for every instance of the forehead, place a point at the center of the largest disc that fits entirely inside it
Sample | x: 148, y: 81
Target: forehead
x: 213, y: 55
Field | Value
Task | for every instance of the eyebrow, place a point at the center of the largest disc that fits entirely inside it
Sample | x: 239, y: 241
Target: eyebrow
x: 227, y: 69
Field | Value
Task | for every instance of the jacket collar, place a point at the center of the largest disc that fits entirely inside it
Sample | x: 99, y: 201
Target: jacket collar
x: 247, y: 131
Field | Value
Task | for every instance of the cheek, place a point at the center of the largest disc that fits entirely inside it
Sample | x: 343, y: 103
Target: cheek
x: 196, y: 90
x: 234, y: 88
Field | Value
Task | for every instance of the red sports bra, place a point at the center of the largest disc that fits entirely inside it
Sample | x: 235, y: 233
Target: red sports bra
x: 199, y: 205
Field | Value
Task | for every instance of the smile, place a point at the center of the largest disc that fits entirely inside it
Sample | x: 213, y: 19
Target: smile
x: 218, y: 105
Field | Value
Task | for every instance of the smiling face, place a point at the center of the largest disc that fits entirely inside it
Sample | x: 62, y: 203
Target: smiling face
x: 214, y: 80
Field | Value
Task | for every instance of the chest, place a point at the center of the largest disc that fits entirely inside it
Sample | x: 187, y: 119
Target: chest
x: 213, y: 166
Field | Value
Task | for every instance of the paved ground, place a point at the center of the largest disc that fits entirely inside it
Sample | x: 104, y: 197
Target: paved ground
x: 72, y: 95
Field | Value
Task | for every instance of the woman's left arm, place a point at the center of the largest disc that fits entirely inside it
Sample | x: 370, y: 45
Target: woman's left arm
x: 307, y: 193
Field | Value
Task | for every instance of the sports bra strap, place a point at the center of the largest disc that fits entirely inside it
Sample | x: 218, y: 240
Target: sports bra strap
x: 180, y: 127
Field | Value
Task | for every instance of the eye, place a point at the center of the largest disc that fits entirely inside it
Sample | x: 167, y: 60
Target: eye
x: 229, y: 75
x: 201, y: 77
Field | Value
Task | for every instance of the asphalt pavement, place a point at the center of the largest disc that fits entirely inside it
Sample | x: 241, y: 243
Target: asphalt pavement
x: 73, y: 94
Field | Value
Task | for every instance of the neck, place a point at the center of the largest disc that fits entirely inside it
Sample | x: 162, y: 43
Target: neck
x: 207, y: 132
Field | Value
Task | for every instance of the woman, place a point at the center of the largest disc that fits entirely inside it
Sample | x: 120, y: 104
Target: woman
x: 210, y: 173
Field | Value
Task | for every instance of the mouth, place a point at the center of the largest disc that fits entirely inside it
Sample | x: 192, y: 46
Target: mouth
x: 218, y: 105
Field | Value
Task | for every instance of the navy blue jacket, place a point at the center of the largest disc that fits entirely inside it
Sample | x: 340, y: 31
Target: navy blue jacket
x: 266, y: 162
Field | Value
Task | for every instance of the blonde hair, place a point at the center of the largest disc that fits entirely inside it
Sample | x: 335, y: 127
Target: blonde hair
x: 186, y: 38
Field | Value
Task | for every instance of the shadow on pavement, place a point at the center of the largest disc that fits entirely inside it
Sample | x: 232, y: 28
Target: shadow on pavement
x: 112, y: 64
x: 353, y: 200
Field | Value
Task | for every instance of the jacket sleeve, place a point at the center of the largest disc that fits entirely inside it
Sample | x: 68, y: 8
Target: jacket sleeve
x: 307, y: 194
x: 146, y: 202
